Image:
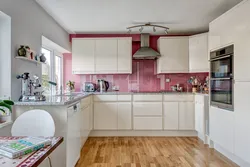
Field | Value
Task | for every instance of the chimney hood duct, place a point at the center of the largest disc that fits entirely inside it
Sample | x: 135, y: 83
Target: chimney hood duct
x: 145, y: 52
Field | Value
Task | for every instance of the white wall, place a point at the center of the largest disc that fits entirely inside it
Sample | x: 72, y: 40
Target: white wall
x: 5, y: 55
x: 28, y: 23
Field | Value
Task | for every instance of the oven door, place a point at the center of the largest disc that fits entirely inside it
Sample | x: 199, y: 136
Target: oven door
x: 222, y: 67
x: 222, y: 93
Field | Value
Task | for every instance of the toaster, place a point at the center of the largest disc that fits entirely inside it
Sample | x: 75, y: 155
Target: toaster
x: 89, y: 87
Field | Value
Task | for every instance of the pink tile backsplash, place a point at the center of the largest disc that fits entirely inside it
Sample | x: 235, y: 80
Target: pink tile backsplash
x: 143, y: 78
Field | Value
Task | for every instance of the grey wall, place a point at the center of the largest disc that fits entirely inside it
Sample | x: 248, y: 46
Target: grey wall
x: 29, y: 22
x: 5, y: 58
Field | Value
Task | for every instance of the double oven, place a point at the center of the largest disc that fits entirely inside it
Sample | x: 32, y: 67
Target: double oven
x: 222, y: 78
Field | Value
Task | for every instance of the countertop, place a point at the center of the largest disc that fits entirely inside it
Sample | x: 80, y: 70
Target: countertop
x: 68, y: 99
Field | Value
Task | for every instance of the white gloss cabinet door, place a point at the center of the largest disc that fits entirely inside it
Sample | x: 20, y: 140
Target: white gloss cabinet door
x: 83, y: 58
x: 105, y: 116
x: 199, y: 118
x: 73, y: 136
x: 106, y: 55
x: 242, y: 123
x: 147, y: 108
x: 124, y: 110
x: 147, y: 123
x: 198, y: 53
x: 124, y: 55
x: 85, y: 124
x: 171, y: 115
x: 174, y: 55
x: 186, y: 116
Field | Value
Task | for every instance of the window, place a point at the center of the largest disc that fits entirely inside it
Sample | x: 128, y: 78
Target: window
x: 52, y: 71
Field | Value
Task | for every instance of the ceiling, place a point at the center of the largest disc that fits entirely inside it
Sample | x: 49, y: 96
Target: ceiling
x: 113, y: 16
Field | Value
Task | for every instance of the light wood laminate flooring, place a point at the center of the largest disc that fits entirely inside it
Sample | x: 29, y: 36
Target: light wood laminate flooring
x: 150, y: 152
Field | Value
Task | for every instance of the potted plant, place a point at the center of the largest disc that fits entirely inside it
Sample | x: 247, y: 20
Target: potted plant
x: 5, y: 110
x: 70, y: 86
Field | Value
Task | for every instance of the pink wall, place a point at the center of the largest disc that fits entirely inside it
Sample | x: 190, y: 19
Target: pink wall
x: 143, y: 77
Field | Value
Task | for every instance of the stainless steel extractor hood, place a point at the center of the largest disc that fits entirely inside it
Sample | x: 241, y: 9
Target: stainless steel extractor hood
x: 145, y: 52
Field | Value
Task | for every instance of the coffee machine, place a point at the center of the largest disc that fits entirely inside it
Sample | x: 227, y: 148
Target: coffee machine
x: 30, y: 87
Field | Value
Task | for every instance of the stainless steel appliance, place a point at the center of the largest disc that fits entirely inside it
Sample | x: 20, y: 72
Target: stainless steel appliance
x: 146, y: 52
x: 222, y: 78
x: 89, y: 87
x: 29, y: 88
x: 103, y: 85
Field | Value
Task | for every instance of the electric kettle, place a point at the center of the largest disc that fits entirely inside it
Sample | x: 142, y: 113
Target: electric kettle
x: 103, y: 85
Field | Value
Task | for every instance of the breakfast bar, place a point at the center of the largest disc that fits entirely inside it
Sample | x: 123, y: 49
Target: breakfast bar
x: 30, y: 160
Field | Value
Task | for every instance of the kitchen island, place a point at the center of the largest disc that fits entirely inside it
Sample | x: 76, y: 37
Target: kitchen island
x: 79, y: 115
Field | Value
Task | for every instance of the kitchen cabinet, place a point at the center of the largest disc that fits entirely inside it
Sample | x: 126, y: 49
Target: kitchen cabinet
x: 199, y: 118
x: 174, y: 55
x: 198, y: 53
x: 171, y: 115
x: 83, y: 57
x: 186, y: 116
x: 105, y: 116
x: 102, y: 55
x: 124, y: 55
x: 147, y: 108
x: 85, y: 124
x: 106, y: 55
x: 242, y: 123
x: 124, y: 112
x: 74, y: 115
x: 147, y: 123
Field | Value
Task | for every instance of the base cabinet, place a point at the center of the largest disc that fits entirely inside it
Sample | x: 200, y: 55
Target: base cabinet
x: 186, y: 116
x: 124, y: 110
x: 105, y: 116
x: 112, y: 115
x: 171, y: 115
x: 199, y: 117
x: 147, y: 123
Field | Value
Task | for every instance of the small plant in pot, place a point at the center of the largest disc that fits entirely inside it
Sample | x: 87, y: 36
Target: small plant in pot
x: 70, y: 86
x: 5, y: 110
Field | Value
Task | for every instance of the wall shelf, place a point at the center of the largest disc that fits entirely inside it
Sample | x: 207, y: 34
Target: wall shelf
x: 27, y: 59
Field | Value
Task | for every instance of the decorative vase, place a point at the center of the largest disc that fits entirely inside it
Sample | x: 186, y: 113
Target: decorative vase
x: 21, y: 51
x: 5, y: 118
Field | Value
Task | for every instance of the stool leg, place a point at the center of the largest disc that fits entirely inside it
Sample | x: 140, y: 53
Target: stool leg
x: 50, y: 165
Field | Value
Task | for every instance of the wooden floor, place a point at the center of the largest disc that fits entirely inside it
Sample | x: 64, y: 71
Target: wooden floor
x: 150, y: 152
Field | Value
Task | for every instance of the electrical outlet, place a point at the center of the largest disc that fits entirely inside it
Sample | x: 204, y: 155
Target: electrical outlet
x: 167, y: 80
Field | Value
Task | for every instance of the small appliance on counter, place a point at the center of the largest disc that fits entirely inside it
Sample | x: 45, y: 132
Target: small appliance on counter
x: 103, y: 85
x: 89, y: 87
x: 177, y: 88
x: 29, y: 90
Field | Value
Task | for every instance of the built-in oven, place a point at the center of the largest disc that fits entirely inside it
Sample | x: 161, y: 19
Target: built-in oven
x: 221, y: 74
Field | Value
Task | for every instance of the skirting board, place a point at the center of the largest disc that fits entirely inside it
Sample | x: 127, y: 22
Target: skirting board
x: 145, y: 133
x: 231, y: 156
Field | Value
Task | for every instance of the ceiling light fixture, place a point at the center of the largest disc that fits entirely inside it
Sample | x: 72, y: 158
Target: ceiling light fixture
x: 166, y: 31
x: 141, y: 27
x: 129, y: 31
x: 154, y: 29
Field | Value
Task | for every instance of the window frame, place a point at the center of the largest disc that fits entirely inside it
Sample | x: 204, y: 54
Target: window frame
x: 54, y: 53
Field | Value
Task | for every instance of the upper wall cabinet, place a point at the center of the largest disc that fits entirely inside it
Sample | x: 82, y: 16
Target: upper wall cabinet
x: 101, y: 55
x: 83, y: 57
x: 174, y: 55
x: 198, y: 53
x: 124, y: 55
x: 106, y: 55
